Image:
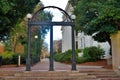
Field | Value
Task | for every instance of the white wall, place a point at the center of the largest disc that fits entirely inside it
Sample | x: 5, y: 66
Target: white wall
x: 66, y: 38
x: 87, y: 41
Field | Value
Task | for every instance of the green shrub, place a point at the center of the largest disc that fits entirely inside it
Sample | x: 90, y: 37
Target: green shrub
x: 12, y: 58
x: 93, y: 53
x: 58, y: 56
x: 22, y: 58
x: 63, y: 57
x: 66, y: 56
x: 80, y: 59
x: 7, y: 57
x: 78, y: 50
x: 7, y: 54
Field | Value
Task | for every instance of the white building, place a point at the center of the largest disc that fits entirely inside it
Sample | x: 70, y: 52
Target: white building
x: 81, y: 40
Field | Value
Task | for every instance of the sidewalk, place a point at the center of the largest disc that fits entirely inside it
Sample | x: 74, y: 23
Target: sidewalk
x: 44, y: 66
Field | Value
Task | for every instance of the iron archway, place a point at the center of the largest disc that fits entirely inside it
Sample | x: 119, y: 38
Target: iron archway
x: 38, y: 23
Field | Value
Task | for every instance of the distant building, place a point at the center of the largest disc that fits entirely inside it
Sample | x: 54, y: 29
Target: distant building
x: 44, y: 51
x: 81, y: 40
x: 57, y: 46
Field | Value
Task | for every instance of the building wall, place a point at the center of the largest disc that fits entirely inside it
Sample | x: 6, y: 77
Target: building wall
x: 66, y: 31
x: 57, y: 46
x: 87, y: 41
x: 84, y: 40
x: 66, y: 38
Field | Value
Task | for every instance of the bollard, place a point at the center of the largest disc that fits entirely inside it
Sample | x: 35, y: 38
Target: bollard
x: 19, y: 61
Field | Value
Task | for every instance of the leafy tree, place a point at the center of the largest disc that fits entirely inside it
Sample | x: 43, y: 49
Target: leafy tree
x: 12, y: 12
x: 18, y: 34
x: 97, y: 16
x: 41, y: 31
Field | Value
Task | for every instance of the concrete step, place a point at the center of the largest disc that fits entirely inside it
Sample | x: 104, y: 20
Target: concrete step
x: 9, y: 73
x: 108, y: 76
x: 50, y: 74
x: 109, y: 72
x: 103, y: 74
x: 50, y: 78
x: 60, y: 75
x: 96, y: 70
x: 110, y: 79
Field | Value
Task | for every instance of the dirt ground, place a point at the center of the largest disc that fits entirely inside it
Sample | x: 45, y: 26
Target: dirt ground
x: 98, y: 63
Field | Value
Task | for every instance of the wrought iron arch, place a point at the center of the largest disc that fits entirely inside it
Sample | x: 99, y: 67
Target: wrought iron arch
x: 37, y: 23
x: 62, y: 11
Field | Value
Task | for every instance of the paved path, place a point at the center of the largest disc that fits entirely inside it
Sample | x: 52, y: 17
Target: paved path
x: 44, y: 66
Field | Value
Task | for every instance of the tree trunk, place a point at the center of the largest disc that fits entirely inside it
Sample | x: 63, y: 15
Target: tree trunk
x: 14, y: 43
x: 109, y: 41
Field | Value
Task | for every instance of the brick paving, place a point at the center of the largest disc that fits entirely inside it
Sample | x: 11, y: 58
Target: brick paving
x: 44, y: 66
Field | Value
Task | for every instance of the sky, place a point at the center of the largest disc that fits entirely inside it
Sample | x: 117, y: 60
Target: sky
x: 57, y: 34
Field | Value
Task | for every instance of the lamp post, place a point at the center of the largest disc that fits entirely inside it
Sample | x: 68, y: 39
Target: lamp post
x: 73, y: 17
x: 36, y: 43
x: 28, y: 60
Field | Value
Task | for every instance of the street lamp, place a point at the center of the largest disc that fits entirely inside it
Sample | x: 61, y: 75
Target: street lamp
x: 29, y: 16
x: 36, y: 42
x: 36, y: 36
x: 73, y: 17
x: 28, y: 60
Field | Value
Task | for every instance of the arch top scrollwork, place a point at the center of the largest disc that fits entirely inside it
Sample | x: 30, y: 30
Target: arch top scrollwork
x: 54, y: 7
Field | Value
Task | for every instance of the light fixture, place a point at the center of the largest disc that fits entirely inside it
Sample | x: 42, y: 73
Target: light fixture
x: 36, y: 36
x: 73, y: 17
x: 29, y: 16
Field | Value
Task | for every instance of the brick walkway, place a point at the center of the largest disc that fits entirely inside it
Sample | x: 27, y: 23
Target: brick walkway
x: 44, y: 66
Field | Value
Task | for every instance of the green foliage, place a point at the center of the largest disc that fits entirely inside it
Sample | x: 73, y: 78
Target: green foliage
x: 43, y: 16
x: 78, y: 50
x: 15, y: 58
x: 80, y: 60
x: 93, y: 53
x: 13, y: 11
x: 63, y: 57
x: 57, y: 56
x: 7, y: 57
x: 66, y: 56
x: 7, y: 54
x: 89, y: 54
x: 97, y: 16
x: 12, y: 58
